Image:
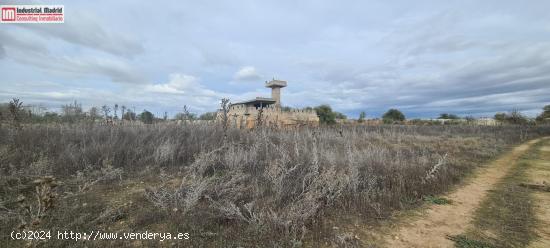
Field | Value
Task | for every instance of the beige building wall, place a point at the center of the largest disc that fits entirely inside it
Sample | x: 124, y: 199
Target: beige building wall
x: 241, y: 116
x: 276, y: 95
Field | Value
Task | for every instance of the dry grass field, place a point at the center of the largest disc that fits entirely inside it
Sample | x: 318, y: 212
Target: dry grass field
x: 231, y: 188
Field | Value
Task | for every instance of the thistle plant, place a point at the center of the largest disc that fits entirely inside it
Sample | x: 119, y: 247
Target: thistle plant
x: 33, y: 211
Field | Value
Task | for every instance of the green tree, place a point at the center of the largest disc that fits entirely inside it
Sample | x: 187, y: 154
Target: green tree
x: 362, y: 116
x: 392, y: 116
x: 448, y: 116
x: 326, y: 116
x: 146, y: 117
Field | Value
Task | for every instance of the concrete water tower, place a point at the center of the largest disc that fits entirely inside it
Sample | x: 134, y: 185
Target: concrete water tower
x: 276, y: 86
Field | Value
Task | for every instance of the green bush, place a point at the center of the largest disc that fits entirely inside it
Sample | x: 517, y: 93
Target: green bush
x: 392, y: 116
x: 326, y: 116
x: 146, y: 117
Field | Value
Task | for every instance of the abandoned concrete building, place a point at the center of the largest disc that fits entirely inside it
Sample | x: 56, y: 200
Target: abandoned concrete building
x: 268, y: 111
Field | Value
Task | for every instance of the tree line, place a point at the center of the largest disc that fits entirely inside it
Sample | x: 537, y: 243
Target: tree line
x: 395, y: 116
x: 16, y: 112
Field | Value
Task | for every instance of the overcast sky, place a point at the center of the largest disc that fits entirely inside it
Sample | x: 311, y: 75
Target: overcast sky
x: 423, y: 57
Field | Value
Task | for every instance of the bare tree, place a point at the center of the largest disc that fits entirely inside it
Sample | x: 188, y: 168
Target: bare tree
x: 106, y: 110
x: 72, y: 112
x: 260, y: 117
x: 116, y: 110
x: 15, y: 107
x: 224, y: 108
x: 186, y: 114
x: 123, y: 109
x: 94, y: 113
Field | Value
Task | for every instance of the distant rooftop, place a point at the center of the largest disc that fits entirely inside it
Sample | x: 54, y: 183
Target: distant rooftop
x: 262, y: 101
x: 275, y: 83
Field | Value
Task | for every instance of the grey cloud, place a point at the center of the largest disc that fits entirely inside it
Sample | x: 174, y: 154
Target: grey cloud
x: 470, y: 57
x: 81, y: 29
x: 21, y: 42
x: 116, y: 71
x: 474, y: 82
x: 474, y: 85
x: 38, y: 55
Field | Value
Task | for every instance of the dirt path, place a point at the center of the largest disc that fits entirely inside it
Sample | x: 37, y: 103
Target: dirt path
x: 431, y: 228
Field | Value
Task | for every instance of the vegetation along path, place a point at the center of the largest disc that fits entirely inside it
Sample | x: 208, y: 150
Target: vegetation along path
x: 540, y: 175
x: 440, y: 223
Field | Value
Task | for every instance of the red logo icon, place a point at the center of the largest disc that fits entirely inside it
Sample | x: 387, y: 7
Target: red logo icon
x: 8, y: 14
